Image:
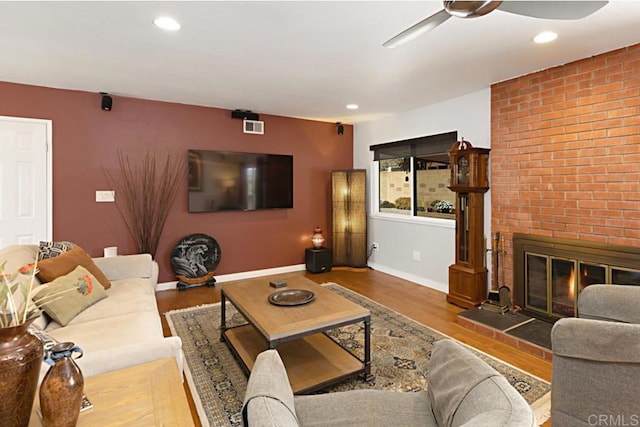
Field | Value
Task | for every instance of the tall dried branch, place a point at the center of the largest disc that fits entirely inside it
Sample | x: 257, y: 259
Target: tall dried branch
x: 144, y: 197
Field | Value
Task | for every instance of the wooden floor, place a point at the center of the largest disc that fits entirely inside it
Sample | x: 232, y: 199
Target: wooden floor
x: 420, y: 303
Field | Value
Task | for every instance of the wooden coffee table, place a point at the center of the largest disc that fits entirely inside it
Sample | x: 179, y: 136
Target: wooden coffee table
x: 312, y: 359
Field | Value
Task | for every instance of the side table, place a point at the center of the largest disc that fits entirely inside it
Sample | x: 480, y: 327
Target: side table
x: 150, y: 394
x: 318, y: 260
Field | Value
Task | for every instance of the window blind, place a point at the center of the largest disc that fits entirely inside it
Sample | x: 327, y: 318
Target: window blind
x: 433, y: 148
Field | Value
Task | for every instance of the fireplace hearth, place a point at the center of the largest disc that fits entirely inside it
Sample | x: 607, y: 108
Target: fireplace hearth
x: 549, y: 273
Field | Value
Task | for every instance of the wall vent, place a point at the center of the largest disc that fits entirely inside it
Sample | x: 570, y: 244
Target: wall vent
x: 253, y: 126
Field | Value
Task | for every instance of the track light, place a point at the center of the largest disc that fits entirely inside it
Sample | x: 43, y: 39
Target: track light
x: 340, y: 128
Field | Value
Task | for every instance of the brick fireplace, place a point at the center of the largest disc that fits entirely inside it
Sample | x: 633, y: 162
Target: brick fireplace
x: 565, y: 156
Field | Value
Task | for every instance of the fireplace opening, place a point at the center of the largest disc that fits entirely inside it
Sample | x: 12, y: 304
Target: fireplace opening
x: 550, y: 273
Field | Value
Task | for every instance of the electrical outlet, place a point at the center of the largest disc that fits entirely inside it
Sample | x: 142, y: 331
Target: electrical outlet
x: 416, y: 255
x: 375, y: 246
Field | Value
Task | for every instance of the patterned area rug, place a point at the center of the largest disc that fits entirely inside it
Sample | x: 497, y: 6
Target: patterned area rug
x: 400, y: 353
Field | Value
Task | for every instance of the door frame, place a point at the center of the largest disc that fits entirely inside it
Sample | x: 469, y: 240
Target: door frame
x: 49, y: 166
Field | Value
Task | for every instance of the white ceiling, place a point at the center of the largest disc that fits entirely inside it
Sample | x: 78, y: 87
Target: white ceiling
x: 294, y: 58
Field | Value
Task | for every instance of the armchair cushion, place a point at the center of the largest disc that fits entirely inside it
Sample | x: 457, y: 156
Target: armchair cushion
x: 596, y: 370
x: 618, y: 303
x: 453, y: 373
x: 463, y: 389
x: 596, y: 358
x: 596, y: 340
x: 365, y: 408
x: 269, y: 399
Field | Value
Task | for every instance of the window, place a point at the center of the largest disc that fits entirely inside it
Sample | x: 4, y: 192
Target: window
x: 413, y: 177
x: 433, y: 196
x: 395, y: 186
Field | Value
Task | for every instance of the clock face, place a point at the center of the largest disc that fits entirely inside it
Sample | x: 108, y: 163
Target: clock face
x: 462, y: 176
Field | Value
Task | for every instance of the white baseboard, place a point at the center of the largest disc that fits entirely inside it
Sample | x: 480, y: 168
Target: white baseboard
x: 442, y: 287
x: 240, y: 276
x: 166, y: 286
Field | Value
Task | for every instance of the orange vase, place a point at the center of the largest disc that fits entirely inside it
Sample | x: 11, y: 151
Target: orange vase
x: 20, y: 360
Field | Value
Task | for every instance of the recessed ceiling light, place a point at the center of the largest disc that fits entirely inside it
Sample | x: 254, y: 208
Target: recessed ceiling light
x: 167, y: 23
x: 545, y: 37
x: 352, y: 106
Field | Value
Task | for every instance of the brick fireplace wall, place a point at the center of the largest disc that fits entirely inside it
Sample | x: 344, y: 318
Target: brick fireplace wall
x: 565, y: 153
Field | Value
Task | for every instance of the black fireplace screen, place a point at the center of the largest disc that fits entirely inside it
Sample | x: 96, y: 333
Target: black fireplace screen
x: 549, y: 275
x: 552, y: 283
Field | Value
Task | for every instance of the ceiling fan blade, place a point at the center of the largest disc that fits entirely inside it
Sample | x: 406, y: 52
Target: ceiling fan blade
x: 566, y: 10
x: 418, y: 29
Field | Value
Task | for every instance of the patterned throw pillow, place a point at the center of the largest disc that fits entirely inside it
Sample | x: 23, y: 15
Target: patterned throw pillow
x: 53, y: 249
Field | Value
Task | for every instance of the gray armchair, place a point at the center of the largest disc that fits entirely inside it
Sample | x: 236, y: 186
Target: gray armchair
x: 463, y: 391
x: 596, y: 360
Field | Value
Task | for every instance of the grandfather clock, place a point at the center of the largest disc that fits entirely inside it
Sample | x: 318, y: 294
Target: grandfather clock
x: 469, y: 180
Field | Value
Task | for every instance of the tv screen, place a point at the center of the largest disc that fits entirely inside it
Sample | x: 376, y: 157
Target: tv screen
x: 231, y: 181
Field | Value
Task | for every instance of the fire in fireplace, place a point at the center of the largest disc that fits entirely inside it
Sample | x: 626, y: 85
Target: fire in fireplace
x: 549, y: 273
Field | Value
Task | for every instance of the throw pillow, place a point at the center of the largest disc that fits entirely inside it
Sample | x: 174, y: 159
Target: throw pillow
x: 69, y: 295
x: 52, y: 268
x: 53, y: 249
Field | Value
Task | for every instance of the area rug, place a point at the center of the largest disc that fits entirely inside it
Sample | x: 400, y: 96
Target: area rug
x: 400, y: 354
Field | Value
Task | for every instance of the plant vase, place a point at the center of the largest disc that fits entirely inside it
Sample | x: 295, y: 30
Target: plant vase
x: 20, y: 360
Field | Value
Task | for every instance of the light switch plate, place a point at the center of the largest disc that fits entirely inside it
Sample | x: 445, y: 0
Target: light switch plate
x: 105, y: 196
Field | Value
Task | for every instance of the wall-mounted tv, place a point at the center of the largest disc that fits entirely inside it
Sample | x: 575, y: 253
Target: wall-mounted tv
x: 233, y: 181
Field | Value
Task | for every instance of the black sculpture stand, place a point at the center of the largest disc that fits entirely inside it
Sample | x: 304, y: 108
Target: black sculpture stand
x: 183, y: 285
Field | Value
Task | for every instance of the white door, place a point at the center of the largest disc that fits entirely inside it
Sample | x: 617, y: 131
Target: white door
x: 25, y: 181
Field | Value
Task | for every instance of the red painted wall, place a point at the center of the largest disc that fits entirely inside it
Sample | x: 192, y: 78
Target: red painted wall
x: 86, y: 140
x: 565, y: 152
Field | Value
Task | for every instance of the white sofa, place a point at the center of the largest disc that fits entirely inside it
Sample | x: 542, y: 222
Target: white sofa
x: 119, y: 331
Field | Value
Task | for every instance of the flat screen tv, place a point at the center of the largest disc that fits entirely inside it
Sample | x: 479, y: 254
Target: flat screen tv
x: 232, y: 181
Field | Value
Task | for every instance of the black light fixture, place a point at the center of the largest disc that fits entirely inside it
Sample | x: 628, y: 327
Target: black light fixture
x: 107, y: 101
x: 340, y: 128
x: 244, y: 115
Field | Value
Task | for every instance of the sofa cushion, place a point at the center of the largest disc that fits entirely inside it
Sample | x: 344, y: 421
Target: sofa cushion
x: 130, y: 296
x: 53, y: 249
x: 119, y: 342
x: 268, y: 400
x: 125, y: 267
x: 69, y: 295
x: 113, y: 332
x: 52, y: 268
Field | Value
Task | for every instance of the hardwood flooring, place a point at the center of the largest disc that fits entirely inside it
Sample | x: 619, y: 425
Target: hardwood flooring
x: 417, y: 302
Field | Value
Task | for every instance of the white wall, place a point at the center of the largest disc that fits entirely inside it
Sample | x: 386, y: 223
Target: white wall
x: 434, y: 239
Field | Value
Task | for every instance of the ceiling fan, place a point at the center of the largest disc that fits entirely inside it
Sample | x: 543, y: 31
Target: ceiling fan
x: 562, y: 10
